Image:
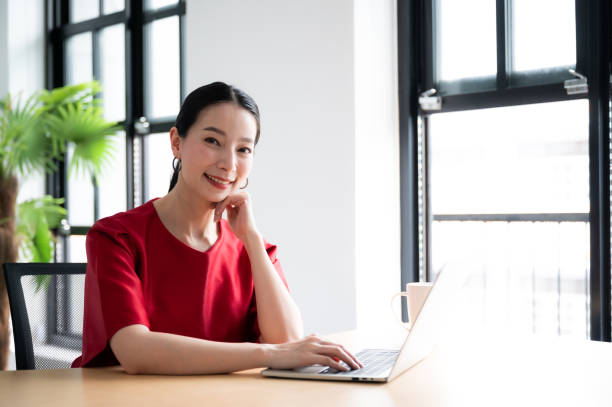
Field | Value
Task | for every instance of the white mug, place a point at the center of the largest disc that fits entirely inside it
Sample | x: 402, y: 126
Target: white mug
x: 417, y: 294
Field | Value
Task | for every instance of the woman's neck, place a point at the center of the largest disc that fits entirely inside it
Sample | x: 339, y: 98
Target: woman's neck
x: 188, y: 218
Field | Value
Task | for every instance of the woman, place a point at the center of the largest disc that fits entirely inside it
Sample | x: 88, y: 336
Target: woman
x: 172, y: 288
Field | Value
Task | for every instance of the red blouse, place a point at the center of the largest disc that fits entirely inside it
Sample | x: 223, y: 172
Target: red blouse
x: 139, y: 273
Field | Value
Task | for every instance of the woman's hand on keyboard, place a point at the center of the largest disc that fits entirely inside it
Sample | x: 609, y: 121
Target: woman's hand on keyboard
x: 310, y: 350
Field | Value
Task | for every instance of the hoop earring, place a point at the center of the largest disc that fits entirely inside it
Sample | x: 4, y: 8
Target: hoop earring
x: 176, y: 164
x: 245, y: 185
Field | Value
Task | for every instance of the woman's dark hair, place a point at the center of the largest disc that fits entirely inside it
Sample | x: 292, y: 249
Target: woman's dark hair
x: 204, y: 96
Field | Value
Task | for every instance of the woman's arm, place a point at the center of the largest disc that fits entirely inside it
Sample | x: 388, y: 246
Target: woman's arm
x: 278, y: 316
x: 141, y: 351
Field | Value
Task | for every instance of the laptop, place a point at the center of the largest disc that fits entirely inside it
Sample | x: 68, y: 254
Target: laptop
x: 384, y: 365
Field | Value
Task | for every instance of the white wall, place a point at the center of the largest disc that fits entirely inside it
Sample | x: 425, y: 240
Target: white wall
x: 26, y: 67
x: 22, y: 64
x: 3, y: 92
x: 298, y: 60
x: 377, y: 203
x: 3, y: 49
x: 26, y: 46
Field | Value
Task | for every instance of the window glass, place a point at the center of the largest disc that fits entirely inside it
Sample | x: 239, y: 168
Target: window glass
x: 515, y: 161
x: 521, y: 159
x: 78, y: 59
x: 80, y: 196
x: 77, y: 249
x: 155, y: 4
x: 465, y: 39
x: 137, y: 170
x: 162, y: 79
x: 81, y: 10
x: 544, y: 34
x: 532, y: 277
x: 112, y: 183
x: 112, y: 6
x: 159, y: 164
x: 112, y: 71
x: 74, y: 285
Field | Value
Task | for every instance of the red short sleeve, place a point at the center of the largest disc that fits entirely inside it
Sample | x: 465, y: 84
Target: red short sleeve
x: 113, y: 293
x: 271, y: 249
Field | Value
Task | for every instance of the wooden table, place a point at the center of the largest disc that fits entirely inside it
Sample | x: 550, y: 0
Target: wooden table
x: 488, y: 371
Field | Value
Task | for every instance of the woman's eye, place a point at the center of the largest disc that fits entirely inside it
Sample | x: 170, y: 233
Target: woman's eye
x: 245, y: 150
x: 211, y: 140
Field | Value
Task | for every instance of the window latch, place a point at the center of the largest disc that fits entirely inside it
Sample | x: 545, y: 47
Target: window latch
x: 142, y: 126
x: 64, y: 228
x: 429, y: 102
x: 576, y: 86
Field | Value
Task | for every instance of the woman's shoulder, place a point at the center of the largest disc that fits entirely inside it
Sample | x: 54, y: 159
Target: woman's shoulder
x: 130, y: 221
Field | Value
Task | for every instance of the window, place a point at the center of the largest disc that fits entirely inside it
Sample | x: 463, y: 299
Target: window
x: 510, y: 173
x: 512, y: 201
x: 134, y: 48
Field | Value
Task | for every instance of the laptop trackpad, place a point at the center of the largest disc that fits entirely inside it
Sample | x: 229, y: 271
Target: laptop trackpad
x: 310, y: 369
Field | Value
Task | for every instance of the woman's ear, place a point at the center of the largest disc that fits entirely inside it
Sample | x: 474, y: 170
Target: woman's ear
x: 175, y: 142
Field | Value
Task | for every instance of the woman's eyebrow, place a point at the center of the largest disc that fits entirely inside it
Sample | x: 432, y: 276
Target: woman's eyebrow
x: 219, y: 131
x: 216, y: 130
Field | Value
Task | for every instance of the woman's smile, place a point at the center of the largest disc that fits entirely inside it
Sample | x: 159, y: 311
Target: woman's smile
x: 218, y: 182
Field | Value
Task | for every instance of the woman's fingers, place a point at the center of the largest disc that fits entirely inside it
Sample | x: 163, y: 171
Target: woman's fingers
x: 312, y: 350
x: 327, y: 361
x: 232, y: 201
x: 341, y: 354
x: 336, y: 350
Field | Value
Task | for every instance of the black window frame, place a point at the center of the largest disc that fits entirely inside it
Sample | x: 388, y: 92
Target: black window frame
x: 416, y: 69
x: 135, y: 18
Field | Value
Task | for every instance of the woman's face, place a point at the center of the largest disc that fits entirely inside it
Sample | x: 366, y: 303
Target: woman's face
x: 217, y: 154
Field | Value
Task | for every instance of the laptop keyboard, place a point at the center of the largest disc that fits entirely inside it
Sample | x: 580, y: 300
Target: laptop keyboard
x: 375, y: 362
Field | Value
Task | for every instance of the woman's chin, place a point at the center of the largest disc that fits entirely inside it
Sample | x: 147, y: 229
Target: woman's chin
x: 214, y: 197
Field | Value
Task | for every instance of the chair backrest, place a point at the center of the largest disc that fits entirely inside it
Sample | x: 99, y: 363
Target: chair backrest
x: 46, y: 301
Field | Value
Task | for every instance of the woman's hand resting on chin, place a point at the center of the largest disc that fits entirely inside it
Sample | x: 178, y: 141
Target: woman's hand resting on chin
x: 239, y: 214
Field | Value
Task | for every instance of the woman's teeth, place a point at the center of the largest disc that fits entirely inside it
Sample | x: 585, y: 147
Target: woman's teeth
x: 217, y: 179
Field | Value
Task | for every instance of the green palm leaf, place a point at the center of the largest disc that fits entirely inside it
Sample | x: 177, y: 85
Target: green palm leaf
x: 83, y: 92
x: 36, y: 133
x: 34, y: 219
x: 24, y: 145
x: 83, y: 126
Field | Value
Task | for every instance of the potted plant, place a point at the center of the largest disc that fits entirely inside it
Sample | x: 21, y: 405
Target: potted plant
x: 34, y: 136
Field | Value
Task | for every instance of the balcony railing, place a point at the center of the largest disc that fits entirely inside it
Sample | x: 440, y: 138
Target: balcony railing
x: 533, y: 268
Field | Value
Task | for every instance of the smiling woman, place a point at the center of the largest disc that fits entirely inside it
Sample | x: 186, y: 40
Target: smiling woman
x: 172, y: 288
x: 226, y: 107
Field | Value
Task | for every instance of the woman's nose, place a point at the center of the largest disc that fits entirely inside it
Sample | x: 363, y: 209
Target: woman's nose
x: 227, y: 161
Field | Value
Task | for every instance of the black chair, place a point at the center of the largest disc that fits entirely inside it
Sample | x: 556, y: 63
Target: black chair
x: 46, y: 312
